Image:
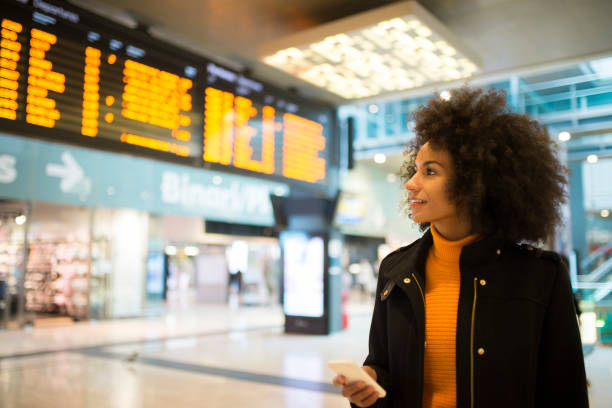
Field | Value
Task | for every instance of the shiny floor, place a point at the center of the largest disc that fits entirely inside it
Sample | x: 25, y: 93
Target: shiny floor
x: 209, y: 356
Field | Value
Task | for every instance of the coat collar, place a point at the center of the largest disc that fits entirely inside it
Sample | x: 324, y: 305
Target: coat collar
x: 412, y: 258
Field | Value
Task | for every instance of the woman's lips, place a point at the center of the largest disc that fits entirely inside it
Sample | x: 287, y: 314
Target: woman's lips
x: 415, y: 203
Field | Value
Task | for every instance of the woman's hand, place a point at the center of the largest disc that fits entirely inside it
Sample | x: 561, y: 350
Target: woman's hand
x: 358, y: 392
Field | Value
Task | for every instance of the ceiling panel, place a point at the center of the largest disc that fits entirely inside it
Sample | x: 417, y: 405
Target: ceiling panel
x: 504, y: 34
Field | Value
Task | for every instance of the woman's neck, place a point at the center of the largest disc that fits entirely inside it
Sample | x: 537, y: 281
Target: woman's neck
x: 453, y: 231
x: 449, y: 250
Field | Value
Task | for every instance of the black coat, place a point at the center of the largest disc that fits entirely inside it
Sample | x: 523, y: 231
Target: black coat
x: 518, y: 343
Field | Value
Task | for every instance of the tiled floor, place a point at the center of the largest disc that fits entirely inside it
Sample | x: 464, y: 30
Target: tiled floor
x: 207, y: 357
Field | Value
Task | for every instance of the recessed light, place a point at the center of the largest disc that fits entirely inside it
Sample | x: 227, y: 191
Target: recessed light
x: 564, y: 136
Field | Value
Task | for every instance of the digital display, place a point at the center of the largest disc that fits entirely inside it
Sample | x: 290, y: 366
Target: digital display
x: 69, y: 78
x: 232, y: 122
x: 303, y: 272
x: 67, y: 74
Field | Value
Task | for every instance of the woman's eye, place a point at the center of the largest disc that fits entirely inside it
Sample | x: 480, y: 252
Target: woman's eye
x: 429, y: 171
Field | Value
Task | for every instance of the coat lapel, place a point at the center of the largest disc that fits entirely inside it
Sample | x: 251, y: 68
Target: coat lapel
x: 408, y: 273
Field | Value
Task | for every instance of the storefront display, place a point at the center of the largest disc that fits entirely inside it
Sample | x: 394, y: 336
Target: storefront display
x: 81, y: 263
x: 57, y: 269
x: 56, y: 280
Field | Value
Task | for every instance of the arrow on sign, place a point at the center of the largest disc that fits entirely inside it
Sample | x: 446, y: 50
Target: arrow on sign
x: 70, y: 172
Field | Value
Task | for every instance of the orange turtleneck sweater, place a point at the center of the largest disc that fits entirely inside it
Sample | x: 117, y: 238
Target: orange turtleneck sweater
x: 442, y: 279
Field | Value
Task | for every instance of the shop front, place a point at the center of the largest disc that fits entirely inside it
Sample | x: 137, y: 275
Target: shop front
x: 92, y: 235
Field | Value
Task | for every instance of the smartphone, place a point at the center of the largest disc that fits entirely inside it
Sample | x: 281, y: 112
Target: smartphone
x: 352, y: 372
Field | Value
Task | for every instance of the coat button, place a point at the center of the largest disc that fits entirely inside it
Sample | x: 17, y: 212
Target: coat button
x: 483, y: 282
x: 406, y: 280
x: 481, y: 351
x: 386, y: 292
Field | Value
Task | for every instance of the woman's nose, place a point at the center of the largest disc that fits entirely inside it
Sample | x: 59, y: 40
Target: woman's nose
x: 411, y: 183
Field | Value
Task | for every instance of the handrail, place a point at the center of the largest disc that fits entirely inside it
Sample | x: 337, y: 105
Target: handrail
x: 598, y: 272
x: 601, y: 293
x: 594, y: 255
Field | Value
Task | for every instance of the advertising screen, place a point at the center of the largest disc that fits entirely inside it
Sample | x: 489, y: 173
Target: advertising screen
x: 70, y: 75
x: 303, y: 273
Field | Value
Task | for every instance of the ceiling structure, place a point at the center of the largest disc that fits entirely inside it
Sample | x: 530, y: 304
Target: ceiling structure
x: 506, y: 35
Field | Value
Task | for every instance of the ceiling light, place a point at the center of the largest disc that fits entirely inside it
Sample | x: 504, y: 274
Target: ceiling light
x: 170, y: 250
x: 564, y: 136
x: 391, y: 178
x: 592, y: 158
x: 392, y: 48
x: 605, y: 213
x: 217, y: 180
x: 280, y: 191
x: 445, y: 95
x: 373, y: 109
x: 380, y: 158
x: 20, y: 219
x: 191, y: 251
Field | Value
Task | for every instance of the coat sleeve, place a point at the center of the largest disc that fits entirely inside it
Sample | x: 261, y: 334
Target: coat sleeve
x: 561, y: 375
x: 377, y: 346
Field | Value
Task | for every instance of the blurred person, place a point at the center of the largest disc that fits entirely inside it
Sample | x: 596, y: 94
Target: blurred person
x: 235, y: 286
x: 467, y: 315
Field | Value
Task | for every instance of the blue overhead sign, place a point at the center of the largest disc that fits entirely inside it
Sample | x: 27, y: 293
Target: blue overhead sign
x: 42, y: 171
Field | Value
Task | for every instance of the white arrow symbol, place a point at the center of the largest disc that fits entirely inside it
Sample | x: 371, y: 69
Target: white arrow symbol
x: 70, y: 173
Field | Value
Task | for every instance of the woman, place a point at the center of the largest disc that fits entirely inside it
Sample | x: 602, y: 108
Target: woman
x: 466, y: 316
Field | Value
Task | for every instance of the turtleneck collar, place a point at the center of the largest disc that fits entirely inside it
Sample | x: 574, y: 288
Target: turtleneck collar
x: 449, y: 251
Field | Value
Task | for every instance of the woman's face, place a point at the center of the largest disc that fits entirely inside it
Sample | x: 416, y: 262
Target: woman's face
x: 428, y: 195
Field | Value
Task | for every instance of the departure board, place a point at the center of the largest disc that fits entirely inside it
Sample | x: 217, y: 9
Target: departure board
x: 68, y: 74
x: 255, y: 130
x: 61, y: 72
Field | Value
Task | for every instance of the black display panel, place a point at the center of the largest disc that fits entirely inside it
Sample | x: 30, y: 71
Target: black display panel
x: 67, y: 74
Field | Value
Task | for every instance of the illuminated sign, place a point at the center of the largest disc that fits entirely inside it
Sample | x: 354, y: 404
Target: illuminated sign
x: 303, y: 271
x: 69, y: 75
